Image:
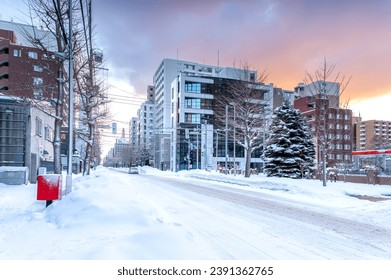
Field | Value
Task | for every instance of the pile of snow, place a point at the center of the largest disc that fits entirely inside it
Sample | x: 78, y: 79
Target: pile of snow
x: 100, y: 219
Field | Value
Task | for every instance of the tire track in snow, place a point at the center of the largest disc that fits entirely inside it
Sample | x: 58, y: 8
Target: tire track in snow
x: 351, y: 239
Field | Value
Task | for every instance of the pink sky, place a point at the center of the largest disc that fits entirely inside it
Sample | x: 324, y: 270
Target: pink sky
x: 285, y: 38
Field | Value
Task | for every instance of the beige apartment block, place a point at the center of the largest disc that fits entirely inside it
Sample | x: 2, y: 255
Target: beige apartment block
x: 373, y: 135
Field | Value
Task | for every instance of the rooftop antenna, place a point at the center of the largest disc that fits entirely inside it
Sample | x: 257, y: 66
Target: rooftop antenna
x: 218, y: 59
x: 177, y: 53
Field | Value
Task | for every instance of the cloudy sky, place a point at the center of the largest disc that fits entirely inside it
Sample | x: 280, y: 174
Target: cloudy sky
x: 285, y: 38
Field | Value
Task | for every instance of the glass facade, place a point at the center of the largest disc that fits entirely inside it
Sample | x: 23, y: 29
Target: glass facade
x: 192, y: 118
x: 197, y: 87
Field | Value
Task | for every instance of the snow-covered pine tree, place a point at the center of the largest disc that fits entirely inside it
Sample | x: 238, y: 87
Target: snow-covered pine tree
x: 289, y: 150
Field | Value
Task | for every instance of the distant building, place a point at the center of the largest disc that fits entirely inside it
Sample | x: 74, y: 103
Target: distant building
x: 373, y: 135
x: 145, y: 133
x: 133, y: 133
x: 122, y: 156
x: 319, y: 105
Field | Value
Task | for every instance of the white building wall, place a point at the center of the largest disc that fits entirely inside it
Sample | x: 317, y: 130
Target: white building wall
x: 168, y: 76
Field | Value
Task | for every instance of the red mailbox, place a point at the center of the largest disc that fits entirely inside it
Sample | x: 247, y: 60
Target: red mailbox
x: 49, y: 187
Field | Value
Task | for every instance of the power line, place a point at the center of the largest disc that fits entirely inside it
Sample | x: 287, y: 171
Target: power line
x: 132, y: 93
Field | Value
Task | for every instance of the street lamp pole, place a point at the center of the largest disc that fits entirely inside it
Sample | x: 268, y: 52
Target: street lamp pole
x: 234, y: 138
x: 226, y: 139
x: 68, y: 186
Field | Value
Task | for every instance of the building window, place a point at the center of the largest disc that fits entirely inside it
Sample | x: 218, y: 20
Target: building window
x: 48, y: 133
x: 193, y: 118
x: 311, y: 105
x: 347, y: 147
x: 347, y: 157
x: 18, y: 53
x: 252, y: 77
x: 193, y: 87
x: 38, y: 86
x: 37, y: 68
x: 339, y: 156
x: 38, y: 126
x: 331, y: 156
x: 33, y: 55
x: 194, y: 103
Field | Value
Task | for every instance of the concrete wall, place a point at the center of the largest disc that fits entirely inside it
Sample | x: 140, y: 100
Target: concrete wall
x: 370, y: 178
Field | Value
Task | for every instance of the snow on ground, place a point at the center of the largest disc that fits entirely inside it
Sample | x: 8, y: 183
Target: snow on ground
x: 336, y: 196
x: 104, y: 218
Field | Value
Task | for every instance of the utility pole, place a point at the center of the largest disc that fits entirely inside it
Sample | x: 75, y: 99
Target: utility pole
x: 68, y: 186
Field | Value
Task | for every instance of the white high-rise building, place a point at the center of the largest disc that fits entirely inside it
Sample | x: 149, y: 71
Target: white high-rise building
x: 184, y: 94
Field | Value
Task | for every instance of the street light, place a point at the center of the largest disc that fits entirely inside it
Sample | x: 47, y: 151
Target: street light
x: 233, y: 104
x: 226, y: 138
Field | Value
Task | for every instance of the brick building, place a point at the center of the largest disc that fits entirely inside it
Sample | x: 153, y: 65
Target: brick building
x: 26, y: 71
x: 329, y: 123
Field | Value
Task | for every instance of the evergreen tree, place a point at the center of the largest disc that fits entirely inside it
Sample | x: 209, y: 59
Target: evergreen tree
x: 289, y: 150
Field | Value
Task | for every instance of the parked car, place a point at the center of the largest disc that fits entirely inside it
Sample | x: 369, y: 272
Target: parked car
x: 133, y: 170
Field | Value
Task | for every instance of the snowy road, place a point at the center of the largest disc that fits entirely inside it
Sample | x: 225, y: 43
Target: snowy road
x: 160, y: 215
x: 233, y: 223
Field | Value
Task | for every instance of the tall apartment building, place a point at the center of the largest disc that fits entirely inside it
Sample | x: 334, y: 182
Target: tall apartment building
x: 133, y: 133
x: 164, y: 75
x: 191, y: 130
x: 373, y: 135
x: 319, y: 105
x: 141, y: 131
x: 25, y: 71
x: 179, y: 70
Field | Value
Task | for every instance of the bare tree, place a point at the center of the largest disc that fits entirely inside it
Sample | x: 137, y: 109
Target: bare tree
x: 326, y: 88
x: 53, y: 16
x: 249, y: 97
x: 380, y: 142
x: 91, y: 91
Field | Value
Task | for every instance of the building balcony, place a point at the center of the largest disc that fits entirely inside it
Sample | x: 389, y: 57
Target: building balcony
x: 3, y: 85
x: 4, y: 58
x: 4, y: 70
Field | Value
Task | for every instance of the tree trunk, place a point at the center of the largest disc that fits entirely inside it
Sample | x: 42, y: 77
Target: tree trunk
x: 247, y: 170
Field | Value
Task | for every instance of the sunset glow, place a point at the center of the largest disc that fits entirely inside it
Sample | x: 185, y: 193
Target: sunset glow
x: 282, y: 37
